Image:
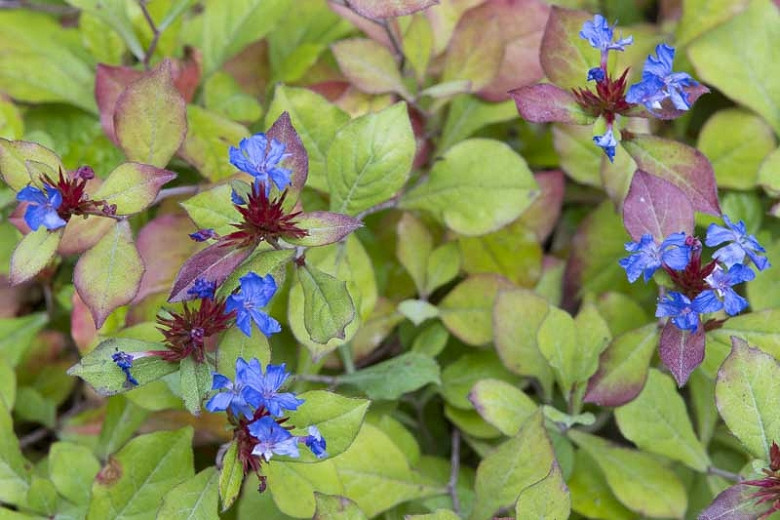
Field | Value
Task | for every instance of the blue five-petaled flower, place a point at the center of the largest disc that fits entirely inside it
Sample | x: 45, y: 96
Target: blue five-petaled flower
x: 260, y: 159
x: 722, y: 282
x: 202, y: 289
x: 659, y: 82
x: 272, y: 439
x: 607, y: 142
x: 42, y: 208
x: 599, y: 34
x: 315, y: 442
x: 256, y: 291
x: 683, y: 312
x: 741, y: 244
x: 647, y: 256
x: 125, y: 362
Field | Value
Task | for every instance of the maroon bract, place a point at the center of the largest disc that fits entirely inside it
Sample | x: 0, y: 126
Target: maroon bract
x: 185, y: 333
x: 264, y: 220
x: 75, y: 199
x: 608, y: 100
x: 769, y: 492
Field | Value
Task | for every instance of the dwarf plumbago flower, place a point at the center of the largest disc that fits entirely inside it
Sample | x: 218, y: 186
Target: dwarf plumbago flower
x: 268, y: 384
x: 607, y: 142
x: 722, y: 282
x: 597, y: 74
x: 260, y: 159
x: 256, y: 291
x: 683, y: 312
x: 42, y: 208
x: 185, y: 333
x: 315, y: 442
x: 660, y: 83
x: 769, y: 492
x: 125, y: 361
x: 741, y: 244
x: 202, y: 289
x: 241, y: 398
x: 272, y: 439
x: 647, y: 257
x: 202, y: 235
x: 237, y: 199
x: 599, y: 34
x: 75, y: 199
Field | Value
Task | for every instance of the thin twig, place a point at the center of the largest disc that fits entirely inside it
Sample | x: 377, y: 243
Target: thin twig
x: 454, y: 470
x: 33, y: 437
x: 397, y: 46
x: 176, y: 192
x: 316, y: 378
x: 728, y: 475
x: 61, y: 10
x: 379, y: 207
x: 155, y: 33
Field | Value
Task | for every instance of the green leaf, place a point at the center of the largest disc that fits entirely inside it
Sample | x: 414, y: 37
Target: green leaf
x: 513, y: 466
x: 33, y: 406
x: 99, y: 370
x: 370, y: 159
x: 590, y: 493
x: 468, y: 114
x: 458, y: 194
x: 513, y: 252
x: 337, y: 417
x: 14, y: 469
x: 414, y: 244
x: 42, y: 496
x: 369, y: 66
x: 548, y: 499
x: 501, y: 404
x: 108, y: 275
x: 459, y: 378
x: 418, y: 311
x: 736, y: 161
x: 16, y: 334
x: 381, y: 381
x: 193, y: 499
x: 475, y: 52
x: 471, y: 424
x: 323, y: 228
x: 657, y: 421
x: 121, y: 421
x: 467, y: 311
x: 213, y: 209
x: 747, y: 393
x: 700, y: 16
x: 222, y: 95
x: 114, y: 14
x: 328, y: 307
x: 33, y: 253
x: 150, y: 119
x: 331, y: 507
x: 72, y: 468
x: 195, y: 383
x: 206, y: 143
x: 417, y: 43
x: 733, y: 58
x: 132, y: 187
x: 14, y: 156
x: 147, y: 468
x: 563, y: 54
x: 231, y: 476
x: 768, y: 175
x: 578, y: 157
x: 638, y: 480
x: 316, y: 120
x: 443, y: 267
x: 557, y: 340
x: 235, y: 344
x: 7, y: 384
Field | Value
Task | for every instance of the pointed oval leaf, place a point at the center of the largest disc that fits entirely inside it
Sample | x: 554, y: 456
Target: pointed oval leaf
x: 110, y: 82
x: 108, y: 275
x: 734, y: 503
x: 231, y: 476
x: 501, y: 404
x: 328, y: 306
x: 298, y: 160
x: 330, y: 507
x: 681, y: 165
x: 81, y: 234
x: 378, y: 9
x: 13, y: 156
x: 206, y: 144
x: 475, y: 51
x: 151, y: 118
x: 369, y: 66
x: 467, y: 311
x: 549, y: 498
x: 33, y: 253
x: 547, y: 103
x: 213, y: 264
x: 324, y: 228
x: 747, y: 393
x: 194, y: 383
x: 557, y: 340
x: 657, y: 207
x: 72, y: 468
x: 132, y: 187
x: 566, y: 58
x: 380, y: 382
x: 196, y: 497
x: 681, y: 351
x: 213, y: 209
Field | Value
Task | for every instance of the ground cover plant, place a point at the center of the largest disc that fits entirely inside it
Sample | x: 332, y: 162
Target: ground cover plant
x: 424, y: 259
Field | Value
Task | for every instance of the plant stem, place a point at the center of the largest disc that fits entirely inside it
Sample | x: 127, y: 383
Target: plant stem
x: 155, y: 33
x: 728, y: 475
x: 345, y: 351
x: 454, y: 470
x: 175, y: 192
x: 379, y: 207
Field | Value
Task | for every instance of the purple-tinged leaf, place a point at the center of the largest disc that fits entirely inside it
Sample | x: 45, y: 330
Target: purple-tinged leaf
x: 32, y: 254
x: 369, y: 66
x: 542, y: 215
x: 623, y: 367
x: 110, y: 82
x: 378, y: 9
x: 657, y: 207
x: 475, y: 52
x: 82, y: 233
x: 298, y: 161
x: 14, y: 156
x: 108, y: 275
x: 668, y: 110
x: 324, y: 228
x: 681, y: 351
x: 565, y: 57
x: 213, y: 264
x: 150, y: 118
x: 680, y: 164
x: 546, y: 103
x: 132, y: 187
x: 733, y: 503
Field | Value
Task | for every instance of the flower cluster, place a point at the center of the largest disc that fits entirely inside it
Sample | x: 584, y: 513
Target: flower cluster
x: 255, y: 407
x: 701, y: 289
x: 769, y: 492
x: 659, y: 83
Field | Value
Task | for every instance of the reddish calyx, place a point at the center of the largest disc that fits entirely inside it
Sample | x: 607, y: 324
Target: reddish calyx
x: 185, y: 333
x: 608, y: 100
x: 264, y: 219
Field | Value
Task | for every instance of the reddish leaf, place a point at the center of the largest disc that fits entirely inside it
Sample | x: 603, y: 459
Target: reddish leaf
x: 324, y: 228
x: 521, y: 25
x: 82, y: 328
x: 542, y: 215
x: 213, y: 264
x: 565, y: 57
x: 656, y: 206
x: 683, y: 166
x: 378, y: 9
x: 734, y: 503
x: 83, y: 233
x: 681, y: 351
x: 110, y: 82
x: 186, y: 73
x: 372, y: 29
x: 546, y: 103
x: 283, y: 131
x: 476, y: 50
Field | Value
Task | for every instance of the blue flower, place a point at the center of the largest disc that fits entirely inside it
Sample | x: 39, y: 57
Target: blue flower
x: 608, y: 143
x: 42, y: 210
x: 254, y: 157
x: 741, y: 244
x: 272, y: 439
x: 202, y: 235
x: 646, y: 256
x: 241, y: 397
x: 683, y: 312
x: 125, y: 361
x: 599, y: 34
x: 315, y: 442
x: 596, y: 74
x: 267, y: 386
x: 256, y: 291
x: 237, y: 199
x: 202, y: 289
x: 659, y: 82
x: 722, y: 282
